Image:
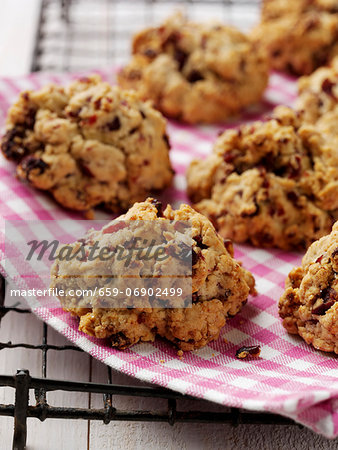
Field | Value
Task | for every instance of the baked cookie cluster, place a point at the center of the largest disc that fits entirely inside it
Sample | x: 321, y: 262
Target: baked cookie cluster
x: 273, y: 183
x: 88, y: 144
x: 220, y: 286
x: 196, y: 72
x: 299, y: 36
x: 309, y: 305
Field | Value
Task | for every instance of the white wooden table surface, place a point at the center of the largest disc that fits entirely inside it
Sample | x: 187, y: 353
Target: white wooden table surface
x: 17, y: 27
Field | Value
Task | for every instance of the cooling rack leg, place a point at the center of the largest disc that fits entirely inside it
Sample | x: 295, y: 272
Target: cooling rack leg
x: 20, y: 410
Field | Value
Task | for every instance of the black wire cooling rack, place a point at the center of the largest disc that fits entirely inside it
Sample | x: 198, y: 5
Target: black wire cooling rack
x: 70, y: 37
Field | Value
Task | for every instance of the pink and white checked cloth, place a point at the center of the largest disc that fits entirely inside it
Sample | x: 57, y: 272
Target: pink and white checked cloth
x: 290, y: 378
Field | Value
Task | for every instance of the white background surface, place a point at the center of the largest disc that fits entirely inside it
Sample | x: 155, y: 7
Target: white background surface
x: 18, y: 20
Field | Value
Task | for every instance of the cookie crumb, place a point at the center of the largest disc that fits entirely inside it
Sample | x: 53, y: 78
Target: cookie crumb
x: 161, y: 361
x: 225, y: 340
x: 244, y: 352
x: 180, y: 353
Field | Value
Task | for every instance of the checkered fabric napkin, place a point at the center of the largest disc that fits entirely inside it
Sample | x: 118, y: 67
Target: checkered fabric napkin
x: 290, y: 378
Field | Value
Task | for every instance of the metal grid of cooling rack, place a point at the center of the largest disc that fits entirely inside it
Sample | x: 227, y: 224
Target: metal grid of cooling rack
x: 71, y: 35
x: 77, y: 35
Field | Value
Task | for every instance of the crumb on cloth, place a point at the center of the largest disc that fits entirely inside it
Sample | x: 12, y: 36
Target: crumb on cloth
x: 245, y: 352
